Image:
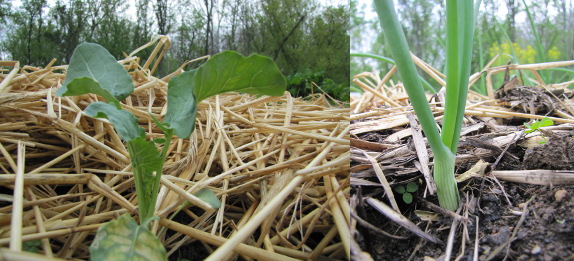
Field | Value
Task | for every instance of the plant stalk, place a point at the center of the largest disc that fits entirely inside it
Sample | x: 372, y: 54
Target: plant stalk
x: 460, y: 19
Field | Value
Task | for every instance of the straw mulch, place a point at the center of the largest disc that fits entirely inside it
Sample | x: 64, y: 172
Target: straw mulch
x: 388, y: 148
x: 279, y: 165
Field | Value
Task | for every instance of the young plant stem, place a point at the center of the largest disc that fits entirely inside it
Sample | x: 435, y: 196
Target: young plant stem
x: 459, y: 19
x: 460, y: 29
x: 407, y: 71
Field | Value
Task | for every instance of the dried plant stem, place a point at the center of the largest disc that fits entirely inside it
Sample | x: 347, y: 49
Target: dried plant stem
x: 16, y: 225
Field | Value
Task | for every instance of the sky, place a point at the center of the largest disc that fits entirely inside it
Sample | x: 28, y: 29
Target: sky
x: 17, y: 3
x: 366, y: 6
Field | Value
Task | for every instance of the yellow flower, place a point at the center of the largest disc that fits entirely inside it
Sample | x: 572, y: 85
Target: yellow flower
x: 553, y: 54
x: 524, y: 55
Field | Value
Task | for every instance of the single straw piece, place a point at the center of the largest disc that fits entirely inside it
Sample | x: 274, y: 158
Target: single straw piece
x: 16, y: 226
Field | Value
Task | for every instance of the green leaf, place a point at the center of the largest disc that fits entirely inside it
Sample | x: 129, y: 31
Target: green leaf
x: 408, y: 198
x: 167, y: 132
x: 181, y: 104
x: 535, y: 125
x: 124, y: 122
x: 123, y: 239
x: 209, y: 197
x: 224, y: 72
x: 412, y: 187
x: 159, y: 140
x: 32, y: 246
x: 83, y: 85
x: 400, y: 189
x: 538, y: 124
x: 94, y: 61
x: 230, y: 71
x: 546, y: 122
x: 147, y: 164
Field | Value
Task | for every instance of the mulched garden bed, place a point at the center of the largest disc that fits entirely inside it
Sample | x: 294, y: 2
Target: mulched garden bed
x: 284, y: 156
x: 516, y: 188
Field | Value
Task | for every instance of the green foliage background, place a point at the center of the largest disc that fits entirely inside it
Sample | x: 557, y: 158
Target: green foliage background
x: 300, y: 36
x: 503, y: 28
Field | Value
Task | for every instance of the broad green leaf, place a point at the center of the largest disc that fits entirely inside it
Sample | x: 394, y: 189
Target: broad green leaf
x: 209, y: 197
x: 408, y: 198
x: 123, y: 239
x: 95, y: 62
x: 124, y: 122
x: 181, y: 104
x: 147, y: 164
x: 412, y: 187
x: 83, y: 85
x: 400, y: 189
x: 230, y: 71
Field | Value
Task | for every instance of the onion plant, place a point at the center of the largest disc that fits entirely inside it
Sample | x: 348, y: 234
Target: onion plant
x: 460, y: 19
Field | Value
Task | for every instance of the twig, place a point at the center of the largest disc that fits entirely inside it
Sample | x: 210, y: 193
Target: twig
x: 422, y: 153
x: 383, y: 180
x: 442, y: 210
x: 401, y: 220
x: 368, y: 225
x: 475, y: 252
x: 451, y: 235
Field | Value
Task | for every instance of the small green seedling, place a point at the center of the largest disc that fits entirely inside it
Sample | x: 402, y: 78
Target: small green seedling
x: 94, y: 70
x: 32, y: 246
x: 406, y: 191
x: 536, y: 125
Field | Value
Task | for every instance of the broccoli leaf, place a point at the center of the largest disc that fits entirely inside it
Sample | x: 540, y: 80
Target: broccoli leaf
x: 209, y: 197
x: 95, y: 62
x: 230, y: 71
x: 224, y: 72
x: 147, y: 165
x: 181, y: 104
x: 123, y: 239
x: 125, y: 123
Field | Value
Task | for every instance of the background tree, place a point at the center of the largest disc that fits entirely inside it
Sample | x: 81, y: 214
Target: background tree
x: 70, y: 23
x: 309, y: 42
x: 143, y: 27
x: 164, y: 16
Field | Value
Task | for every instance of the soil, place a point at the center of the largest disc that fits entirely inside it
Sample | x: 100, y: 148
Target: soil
x: 545, y: 233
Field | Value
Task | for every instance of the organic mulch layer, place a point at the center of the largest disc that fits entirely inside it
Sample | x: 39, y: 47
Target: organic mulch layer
x: 279, y: 166
x: 516, y: 185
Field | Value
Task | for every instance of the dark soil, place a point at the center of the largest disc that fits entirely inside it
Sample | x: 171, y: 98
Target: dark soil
x: 546, y: 233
